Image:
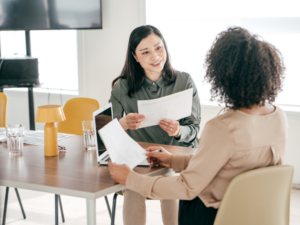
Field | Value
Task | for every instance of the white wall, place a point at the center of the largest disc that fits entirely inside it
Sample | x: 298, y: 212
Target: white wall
x: 104, y: 51
x: 101, y: 58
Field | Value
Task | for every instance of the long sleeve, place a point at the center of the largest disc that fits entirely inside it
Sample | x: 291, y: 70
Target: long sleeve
x: 214, y: 150
x: 122, y: 105
x: 118, y: 110
x: 190, y: 125
x: 180, y: 162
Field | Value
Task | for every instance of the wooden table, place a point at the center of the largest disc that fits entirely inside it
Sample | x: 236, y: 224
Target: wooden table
x: 74, y: 173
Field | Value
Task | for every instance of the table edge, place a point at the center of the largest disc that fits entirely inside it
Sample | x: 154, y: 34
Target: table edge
x: 74, y: 193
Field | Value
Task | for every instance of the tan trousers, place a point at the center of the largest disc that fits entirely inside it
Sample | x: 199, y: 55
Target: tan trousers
x: 134, y: 209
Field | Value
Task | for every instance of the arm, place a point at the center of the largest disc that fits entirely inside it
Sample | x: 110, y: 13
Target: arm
x: 118, y: 110
x: 180, y: 162
x: 187, y: 129
x: 131, y: 121
x: 190, y: 126
x: 157, y: 155
x: 216, y: 147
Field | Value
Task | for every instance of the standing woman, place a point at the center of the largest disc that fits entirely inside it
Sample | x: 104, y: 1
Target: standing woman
x: 148, y: 74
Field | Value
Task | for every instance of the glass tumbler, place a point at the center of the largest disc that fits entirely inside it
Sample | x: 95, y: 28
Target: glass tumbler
x: 15, y: 135
x: 89, y: 135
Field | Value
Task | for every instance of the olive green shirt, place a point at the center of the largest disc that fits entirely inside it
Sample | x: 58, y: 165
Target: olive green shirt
x: 122, y: 103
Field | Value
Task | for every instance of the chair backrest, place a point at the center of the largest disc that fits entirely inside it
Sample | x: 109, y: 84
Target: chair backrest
x: 258, y: 197
x: 3, y: 104
x: 77, y: 110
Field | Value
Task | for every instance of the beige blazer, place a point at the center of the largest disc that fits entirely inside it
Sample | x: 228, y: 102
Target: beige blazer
x: 230, y: 144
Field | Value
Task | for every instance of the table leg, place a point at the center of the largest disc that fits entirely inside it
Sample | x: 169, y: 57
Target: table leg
x: 31, y: 108
x: 5, y: 206
x: 56, y: 209
x: 91, y: 211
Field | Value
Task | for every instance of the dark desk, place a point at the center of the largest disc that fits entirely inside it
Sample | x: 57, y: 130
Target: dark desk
x: 74, y: 173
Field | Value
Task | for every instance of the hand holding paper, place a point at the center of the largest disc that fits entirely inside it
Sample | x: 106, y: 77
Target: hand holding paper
x: 175, y: 106
x: 121, y: 147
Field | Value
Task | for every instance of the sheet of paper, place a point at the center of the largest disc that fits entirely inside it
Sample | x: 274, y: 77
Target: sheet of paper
x: 121, y: 147
x: 33, y: 137
x: 175, y: 106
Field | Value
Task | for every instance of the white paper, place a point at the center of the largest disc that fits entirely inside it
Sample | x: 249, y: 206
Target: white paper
x: 121, y: 147
x: 175, y: 107
x: 33, y: 137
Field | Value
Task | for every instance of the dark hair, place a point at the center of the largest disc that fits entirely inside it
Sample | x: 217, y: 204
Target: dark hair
x: 132, y: 70
x: 243, y: 70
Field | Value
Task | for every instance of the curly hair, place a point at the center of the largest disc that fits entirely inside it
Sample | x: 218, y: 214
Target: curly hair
x: 243, y: 70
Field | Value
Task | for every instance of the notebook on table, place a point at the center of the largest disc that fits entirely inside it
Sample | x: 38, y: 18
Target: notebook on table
x: 101, y: 117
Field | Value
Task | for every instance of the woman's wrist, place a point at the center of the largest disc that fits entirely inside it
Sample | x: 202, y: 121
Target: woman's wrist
x: 123, y: 123
x: 178, y: 134
x: 171, y: 161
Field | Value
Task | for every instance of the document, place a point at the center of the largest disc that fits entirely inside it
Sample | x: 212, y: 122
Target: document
x: 37, y: 137
x: 121, y: 147
x: 175, y: 106
x: 33, y: 137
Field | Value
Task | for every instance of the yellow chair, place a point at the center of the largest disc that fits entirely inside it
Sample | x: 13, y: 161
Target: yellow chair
x: 258, y: 197
x: 77, y: 110
x: 3, y: 104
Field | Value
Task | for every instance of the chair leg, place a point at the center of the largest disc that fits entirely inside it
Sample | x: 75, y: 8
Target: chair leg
x: 56, y: 209
x: 21, y: 206
x: 5, y: 205
x: 114, y: 209
x: 108, y: 206
x: 61, y: 209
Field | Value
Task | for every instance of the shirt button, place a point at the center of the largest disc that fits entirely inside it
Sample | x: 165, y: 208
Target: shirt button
x: 153, y: 83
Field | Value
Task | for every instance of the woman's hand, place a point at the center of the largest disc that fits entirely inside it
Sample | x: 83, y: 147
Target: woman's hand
x: 118, y: 173
x: 172, y: 127
x: 163, y: 158
x: 132, y: 121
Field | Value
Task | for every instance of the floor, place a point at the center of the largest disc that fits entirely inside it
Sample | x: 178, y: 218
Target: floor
x: 39, y: 209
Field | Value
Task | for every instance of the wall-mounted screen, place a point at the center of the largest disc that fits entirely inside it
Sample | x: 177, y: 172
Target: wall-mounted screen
x: 50, y: 14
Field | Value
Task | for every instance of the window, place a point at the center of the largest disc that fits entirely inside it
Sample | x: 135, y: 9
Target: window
x: 191, y: 26
x: 57, y: 56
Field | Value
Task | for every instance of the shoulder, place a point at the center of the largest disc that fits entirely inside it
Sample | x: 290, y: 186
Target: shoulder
x: 121, y: 87
x: 281, y: 114
x: 217, y: 131
x: 221, y: 122
x: 183, y: 76
x: 185, y: 79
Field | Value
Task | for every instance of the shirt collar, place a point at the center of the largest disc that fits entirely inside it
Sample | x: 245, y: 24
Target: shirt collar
x: 160, y: 82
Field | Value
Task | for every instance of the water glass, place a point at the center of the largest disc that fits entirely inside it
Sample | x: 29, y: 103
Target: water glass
x: 14, y: 135
x: 89, y: 135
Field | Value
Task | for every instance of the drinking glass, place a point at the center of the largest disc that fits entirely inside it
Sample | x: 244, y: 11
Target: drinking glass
x: 14, y: 135
x: 89, y: 135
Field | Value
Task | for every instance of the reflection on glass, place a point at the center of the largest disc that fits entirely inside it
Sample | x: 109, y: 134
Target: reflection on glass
x: 101, y: 120
x: 49, y: 14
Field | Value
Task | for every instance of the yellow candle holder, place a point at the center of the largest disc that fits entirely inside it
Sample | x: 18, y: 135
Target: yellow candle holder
x: 50, y: 114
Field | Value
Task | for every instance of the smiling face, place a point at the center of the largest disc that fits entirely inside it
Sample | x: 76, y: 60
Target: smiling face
x: 151, y: 54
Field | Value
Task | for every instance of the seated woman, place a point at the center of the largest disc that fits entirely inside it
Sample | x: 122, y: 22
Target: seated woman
x: 246, y: 74
x: 148, y: 74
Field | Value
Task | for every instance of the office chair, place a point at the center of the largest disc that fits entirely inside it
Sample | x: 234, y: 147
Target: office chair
x: 77, y: 110
x: 260, y: 196
x: 3, y: 105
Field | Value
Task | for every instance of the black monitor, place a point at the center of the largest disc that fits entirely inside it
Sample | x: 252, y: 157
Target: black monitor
x: 50, y: 14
